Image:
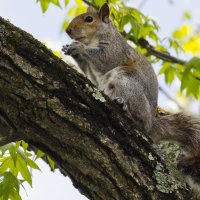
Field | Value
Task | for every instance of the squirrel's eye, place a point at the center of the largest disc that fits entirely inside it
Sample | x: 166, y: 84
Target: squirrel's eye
x: 89, y: 19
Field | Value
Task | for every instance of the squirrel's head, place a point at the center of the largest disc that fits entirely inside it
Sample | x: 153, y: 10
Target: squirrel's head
x: 84, y: 27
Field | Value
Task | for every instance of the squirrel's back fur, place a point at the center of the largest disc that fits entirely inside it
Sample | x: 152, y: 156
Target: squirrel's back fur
x: 126, y: 76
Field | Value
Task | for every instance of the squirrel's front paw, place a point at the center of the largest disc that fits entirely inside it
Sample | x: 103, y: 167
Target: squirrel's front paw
x: 74, y: 49
x: 65, y: 49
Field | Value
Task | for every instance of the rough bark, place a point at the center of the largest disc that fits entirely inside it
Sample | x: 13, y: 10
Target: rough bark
x: 49, y: 105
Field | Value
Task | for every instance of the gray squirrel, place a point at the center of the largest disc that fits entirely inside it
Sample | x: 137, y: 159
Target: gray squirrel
x: 127, y: 77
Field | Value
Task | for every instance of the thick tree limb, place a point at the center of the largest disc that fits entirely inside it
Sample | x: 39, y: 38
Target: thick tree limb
x: 46, y: 103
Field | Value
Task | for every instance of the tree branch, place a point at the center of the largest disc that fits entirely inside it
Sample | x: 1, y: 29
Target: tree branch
x: 165, y: 56
x: 90, y: 4
x: 49, y: 105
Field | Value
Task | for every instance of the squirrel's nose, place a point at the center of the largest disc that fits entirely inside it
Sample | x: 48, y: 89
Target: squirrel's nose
x: 69, y: 31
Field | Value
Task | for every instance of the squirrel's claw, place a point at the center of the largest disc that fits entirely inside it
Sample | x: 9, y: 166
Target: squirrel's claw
x: 122, y: 103
x: 73, y: 49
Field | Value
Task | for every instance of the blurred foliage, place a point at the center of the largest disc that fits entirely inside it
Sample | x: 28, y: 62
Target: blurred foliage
x: 134, y: 25
x: 16, y: 164
x: 188, y: 37
x: 45, y: 4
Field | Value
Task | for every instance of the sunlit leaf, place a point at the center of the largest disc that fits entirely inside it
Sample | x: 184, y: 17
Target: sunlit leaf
x: 24, y: 145
x: 51, y: 162
x: 32, y: 164
x: 192, y: 44
x: 6, y: 164
x: 9, y: 186
x: 184, y: 31
x: 5, y: 148
x: 21, y: 165
x: 191, y: 78
x: 39, y: 154
x: 13, y: 153
x: 44, y: 5
x: 175, y: 44
x: 56, y: 2
x: 193, y: 63
x: 99, y: 2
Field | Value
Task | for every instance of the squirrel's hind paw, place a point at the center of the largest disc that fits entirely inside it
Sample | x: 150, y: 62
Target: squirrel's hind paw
x: 122, y: 103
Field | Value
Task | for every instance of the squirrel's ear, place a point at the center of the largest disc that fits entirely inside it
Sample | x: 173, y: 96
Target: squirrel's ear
x: 104, y: 13
x: 90, y: 9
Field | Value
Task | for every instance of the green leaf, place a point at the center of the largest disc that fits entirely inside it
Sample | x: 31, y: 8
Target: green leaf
x: 14, y: 195
x: 155, y: 24
x: 51, y: 162
x: 153, y: 36
x: 17, y: 144
x: 135, y: 27
x: 56, y: 2
x: 191, y: 85
x: 32, y: 164
x: 99, y: 2
x: 15, y: 160
x: 79, y: 3
x: 44, y: 5
x: 40, y: 154
x: 170, y: 74
x: 124, y: 20
x: 13, y: 154
x: 175, y: 45
x: 7, y: 164
x: 24, y: 145
x: 21, y: 165
x: 190, y: 80
x: 184, y: 31
x: 9, y: 186
x: 193, y: 63
x: 5, y: 148
x: 169, y: 71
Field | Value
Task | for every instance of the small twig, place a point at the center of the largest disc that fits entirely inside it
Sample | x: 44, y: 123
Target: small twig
x: 159, y: 54
x: 165, y: 56
x: 90, y: 4
x: 171, y: 98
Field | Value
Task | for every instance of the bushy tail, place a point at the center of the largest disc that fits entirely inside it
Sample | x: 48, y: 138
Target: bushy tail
x: 184, y: 130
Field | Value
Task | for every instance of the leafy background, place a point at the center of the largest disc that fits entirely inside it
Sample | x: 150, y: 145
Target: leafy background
x: 184, y: 40
x: 17, y: 164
